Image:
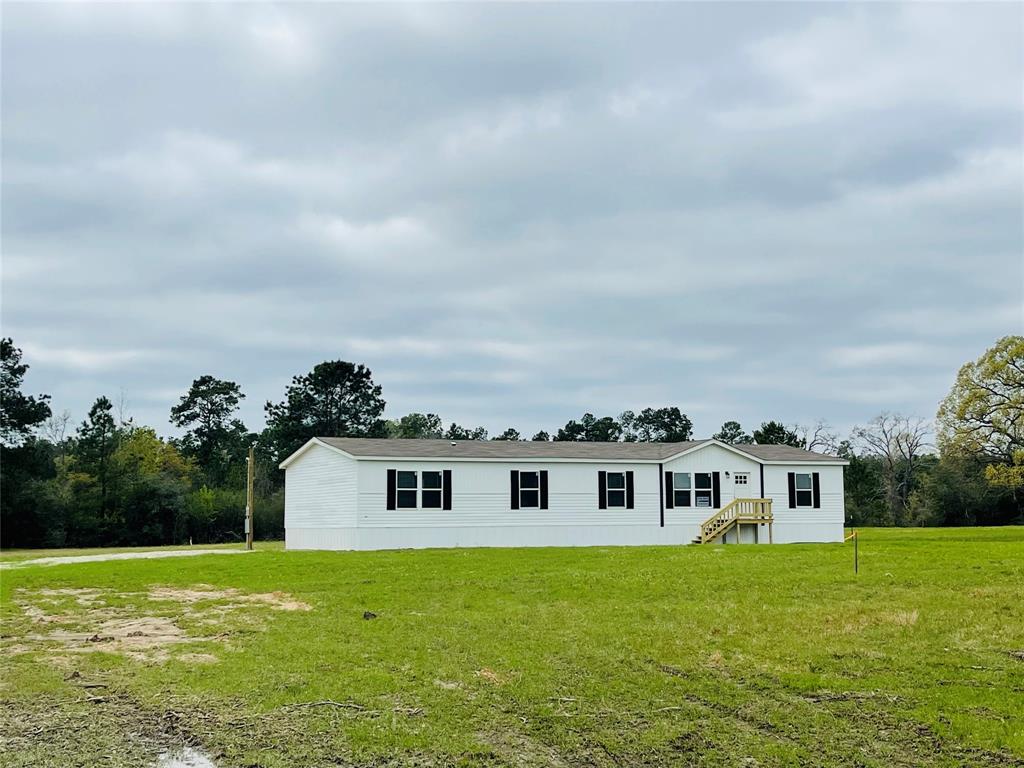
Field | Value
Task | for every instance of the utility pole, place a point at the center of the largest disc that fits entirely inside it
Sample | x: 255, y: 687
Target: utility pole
x: 251, y: 475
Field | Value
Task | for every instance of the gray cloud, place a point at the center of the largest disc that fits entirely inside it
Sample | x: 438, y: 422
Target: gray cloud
x: 514, y: 214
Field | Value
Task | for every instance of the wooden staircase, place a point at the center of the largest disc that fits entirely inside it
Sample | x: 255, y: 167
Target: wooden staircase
x: 733, y: 515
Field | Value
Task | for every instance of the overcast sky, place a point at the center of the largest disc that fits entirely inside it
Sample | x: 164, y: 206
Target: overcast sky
x: 515, y: 214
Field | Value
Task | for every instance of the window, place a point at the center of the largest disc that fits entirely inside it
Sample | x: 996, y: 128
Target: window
x: 681, y: 489
x: 407, y: 490
x: 804, y: 489
x: 419, y: 490
x: 616, y: 489
x: 529, y: 490
x: 741, y: 478
x: 702, y: 489
x: 431, y: 493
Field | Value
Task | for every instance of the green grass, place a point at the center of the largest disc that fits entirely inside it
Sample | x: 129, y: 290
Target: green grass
x: 709, y: 656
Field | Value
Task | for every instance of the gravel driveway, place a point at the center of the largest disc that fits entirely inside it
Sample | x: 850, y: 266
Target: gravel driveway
x: 155, y: 555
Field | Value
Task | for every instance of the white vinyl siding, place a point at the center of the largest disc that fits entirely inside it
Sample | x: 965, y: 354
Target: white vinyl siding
x: 711, y: 458
x: 320, y: 490
x: 806, y: 523
x: 480, y: 495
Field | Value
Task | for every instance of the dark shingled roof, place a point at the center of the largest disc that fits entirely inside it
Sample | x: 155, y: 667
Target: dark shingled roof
x: 785, y: 453
x: 508, y: 449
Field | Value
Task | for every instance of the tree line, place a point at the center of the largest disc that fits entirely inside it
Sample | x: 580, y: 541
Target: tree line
x: 109, y: 481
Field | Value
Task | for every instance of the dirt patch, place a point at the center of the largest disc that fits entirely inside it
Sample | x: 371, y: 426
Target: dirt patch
x: 84, y: 596
x: 864, y: 621
x: 522, y: 751
x: 42, y: 602
x: 826, y: 696
x: 140, y: 638
x: 88, y: 620
x: 197, y: 658
x: 281, y: 601
x: 13, y: 649
x: 190, y: 595
x: 39, y: 616
x: 692, y: 743
x: 492, y: 677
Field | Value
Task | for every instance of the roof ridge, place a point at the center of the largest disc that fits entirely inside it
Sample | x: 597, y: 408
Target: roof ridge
x: 381, y: 447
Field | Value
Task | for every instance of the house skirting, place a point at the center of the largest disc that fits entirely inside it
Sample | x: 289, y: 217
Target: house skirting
x: 368, y: 538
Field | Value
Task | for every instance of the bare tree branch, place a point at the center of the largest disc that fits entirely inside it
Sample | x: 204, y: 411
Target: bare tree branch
x: 900, y: 442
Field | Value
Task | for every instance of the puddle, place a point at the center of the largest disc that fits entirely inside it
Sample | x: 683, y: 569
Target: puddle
x: 186, y: 757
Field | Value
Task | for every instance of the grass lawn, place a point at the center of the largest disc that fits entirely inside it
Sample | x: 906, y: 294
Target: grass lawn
x: 709, y: 656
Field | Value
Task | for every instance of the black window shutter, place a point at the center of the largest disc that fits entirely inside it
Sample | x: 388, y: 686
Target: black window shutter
x: 670, y: 497
x: 543, y: 489
x: 817, y: 491
x: 446, y: 491
x: 629, y: 490
x: 515, y: 489
x: 392, y: 482
x: 716, y: 490
x: 792, y: 491
x: 661, y: 498
x: 602, y: 490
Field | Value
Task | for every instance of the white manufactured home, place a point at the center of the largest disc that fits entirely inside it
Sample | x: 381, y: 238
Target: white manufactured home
x: 354, y: 493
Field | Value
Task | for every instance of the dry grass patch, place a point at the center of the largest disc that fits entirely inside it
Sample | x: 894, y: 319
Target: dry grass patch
x: 518, y: 750
x: 280, y: 601
x: 864, y: 620
x: 903, y: 618
x: 492, y: 677
x: 136, y: 624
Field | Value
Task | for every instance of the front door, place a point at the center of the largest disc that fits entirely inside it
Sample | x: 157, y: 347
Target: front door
x: 741, y: 486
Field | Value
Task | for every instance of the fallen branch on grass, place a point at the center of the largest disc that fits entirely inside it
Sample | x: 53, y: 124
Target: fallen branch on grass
x: 359, y: 709
x: 327, y: 703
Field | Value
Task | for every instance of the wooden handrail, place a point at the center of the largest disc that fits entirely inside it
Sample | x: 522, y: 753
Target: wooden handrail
x: 735, y: 512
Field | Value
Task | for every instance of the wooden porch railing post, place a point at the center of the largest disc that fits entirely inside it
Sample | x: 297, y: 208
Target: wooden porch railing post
x: 734, y: 515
